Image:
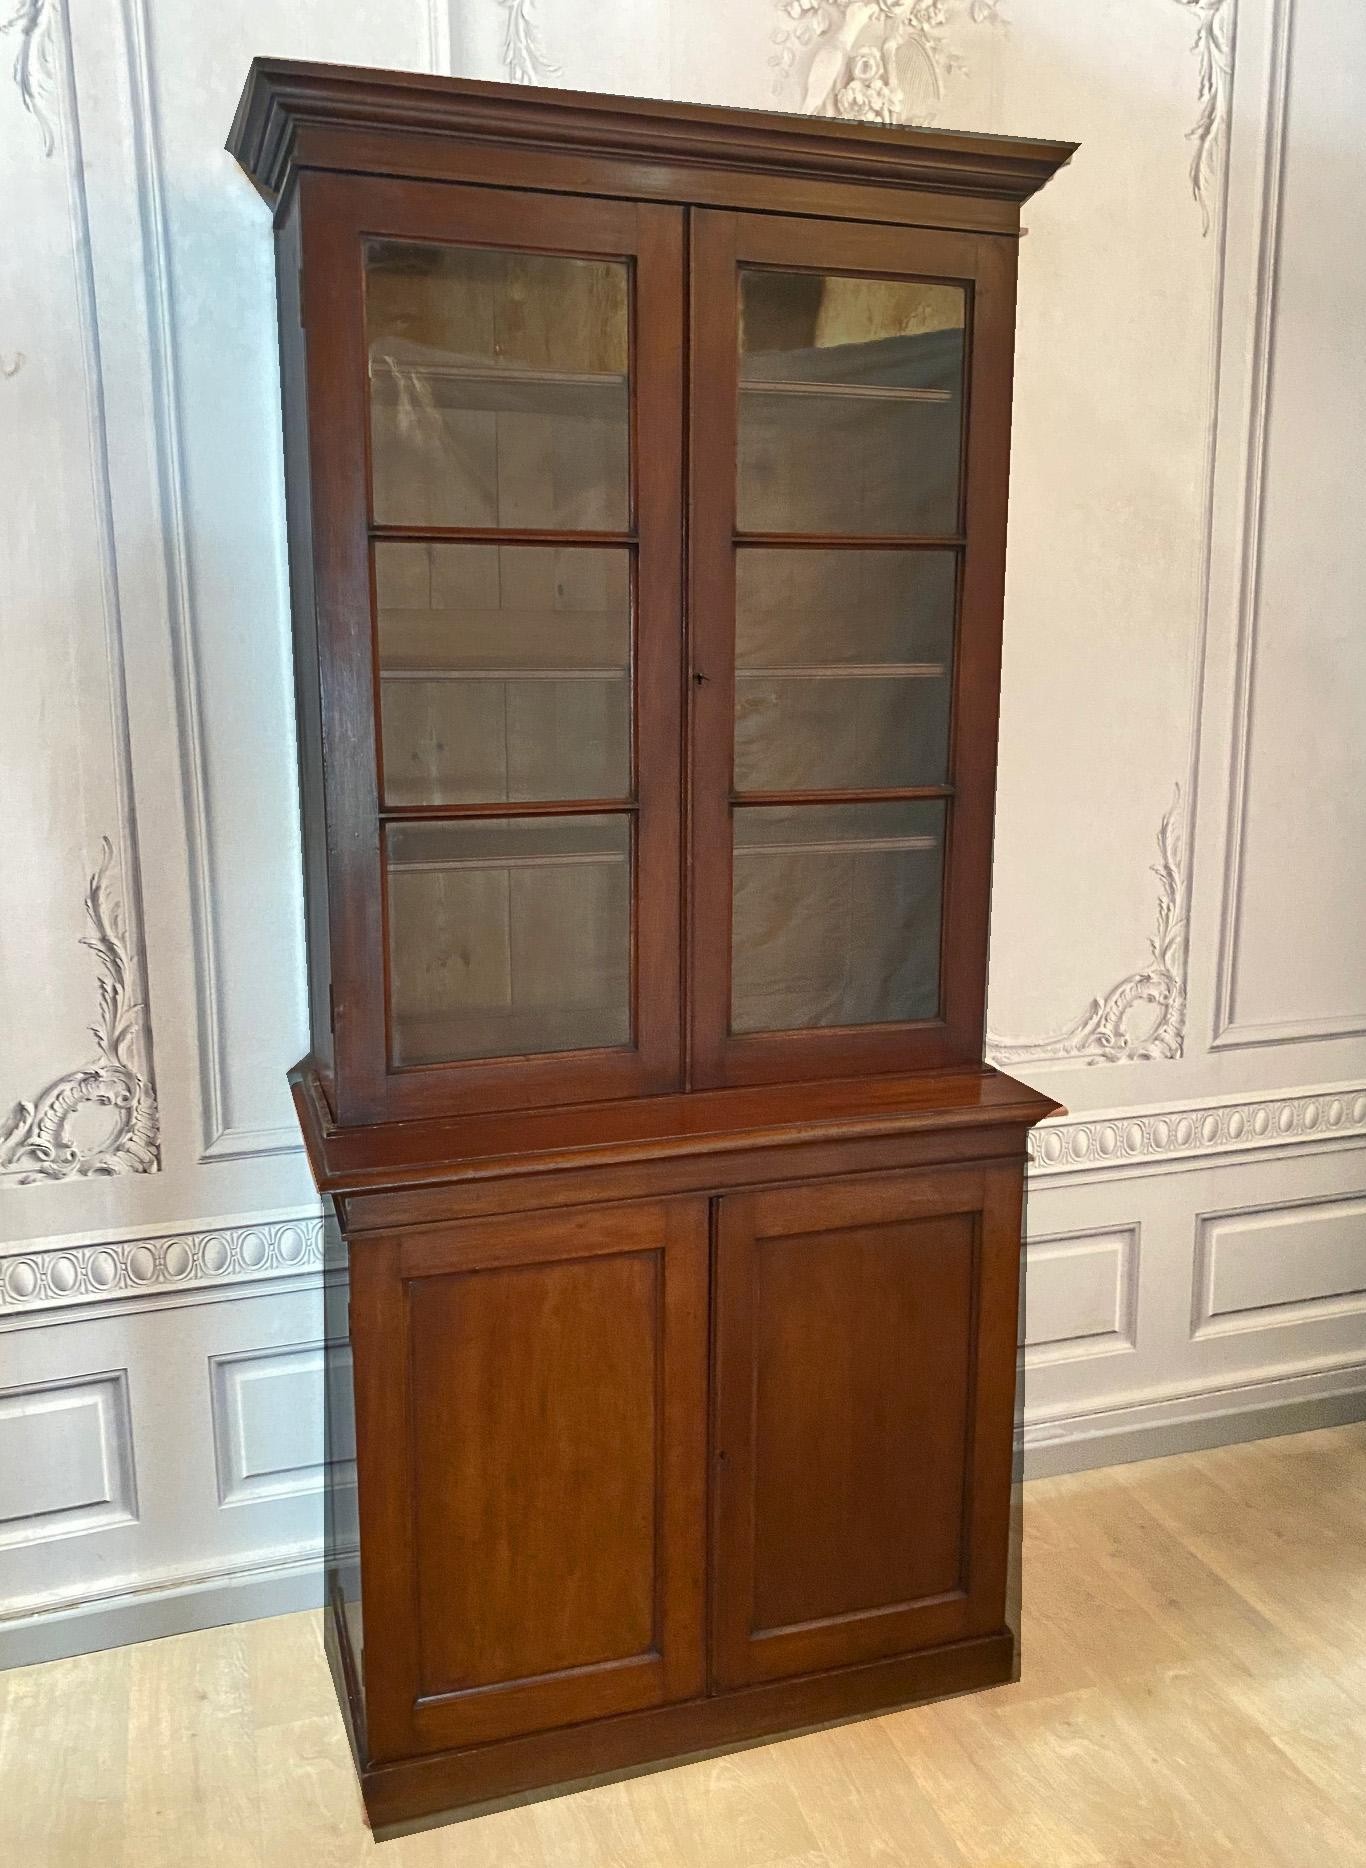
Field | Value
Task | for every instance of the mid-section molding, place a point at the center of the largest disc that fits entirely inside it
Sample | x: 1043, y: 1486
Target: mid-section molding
x: 50, y: 1275
x: 1126, y: 1140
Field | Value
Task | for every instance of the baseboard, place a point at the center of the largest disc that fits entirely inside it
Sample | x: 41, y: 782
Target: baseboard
x: 1192, y: 1423
x: 398, y: 1795
x: 166, y: 1604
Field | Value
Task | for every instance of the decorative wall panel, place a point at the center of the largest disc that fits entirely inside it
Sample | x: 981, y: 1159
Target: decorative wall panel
x: 1298, y: 788
x: 73, y: 1111
x: 268, y: 1423
x: 1289, y: 1263
x: 1082, y: 1295
x: 66, y: 1458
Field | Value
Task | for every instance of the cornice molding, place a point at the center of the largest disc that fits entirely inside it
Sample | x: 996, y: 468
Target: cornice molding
x: 282, y: 97
x: 1203, y: 1131
x: 48, y: 1277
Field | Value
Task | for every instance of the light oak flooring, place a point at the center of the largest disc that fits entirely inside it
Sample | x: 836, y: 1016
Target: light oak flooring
x: 1194, y: 1692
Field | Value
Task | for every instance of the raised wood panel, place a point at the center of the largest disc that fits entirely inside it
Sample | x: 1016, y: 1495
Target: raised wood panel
x: 535, y: 1532
x: 531, y: 1396
x: 863, y: 1341
x: 860, y: 1402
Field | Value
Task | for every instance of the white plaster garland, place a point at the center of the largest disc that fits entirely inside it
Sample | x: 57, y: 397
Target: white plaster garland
x: 876, y: 61
x: 38, y: 1141
x: 525, y: 59
x: 1213, y: 48
x: 35, y: 63
x: 1107, y: 1032
x: 47, y: 1277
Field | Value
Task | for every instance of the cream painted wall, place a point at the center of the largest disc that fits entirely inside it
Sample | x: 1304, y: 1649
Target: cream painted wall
x: 1176, y: 952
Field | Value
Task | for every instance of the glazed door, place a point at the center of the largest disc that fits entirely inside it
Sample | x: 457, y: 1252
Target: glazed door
x: 494, y: 385
x: 850, y: 416
x: 864, y: 1411
x: 532, y: 1393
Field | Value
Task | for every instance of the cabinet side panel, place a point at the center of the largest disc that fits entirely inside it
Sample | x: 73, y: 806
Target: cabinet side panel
x: 341, y: 1529
x: 307, y: 693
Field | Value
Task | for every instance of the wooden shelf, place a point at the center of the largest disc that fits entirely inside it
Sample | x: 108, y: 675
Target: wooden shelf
x: 496, y: 391
x: 843, y: 846
x: 542, y: 860
x: 872, y: 392
x: 504, y: 674
x: 848, y: 671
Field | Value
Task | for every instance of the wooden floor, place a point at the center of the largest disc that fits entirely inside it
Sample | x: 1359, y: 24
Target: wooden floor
x: 1194, y: 1692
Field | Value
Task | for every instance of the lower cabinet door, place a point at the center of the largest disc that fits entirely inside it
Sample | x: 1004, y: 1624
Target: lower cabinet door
x: 864, y: 1412
x: 531, y: 1407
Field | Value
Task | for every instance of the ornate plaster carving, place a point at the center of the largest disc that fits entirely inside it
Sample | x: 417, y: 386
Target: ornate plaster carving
x: 35, y: 63
x: 1114, y: 1028
x: 45, y: 1277
x: 525, y: 58
x: 1139, y: 1138
x: 1213, y: 48
x: 878, y: 61
x: 41, y: 1140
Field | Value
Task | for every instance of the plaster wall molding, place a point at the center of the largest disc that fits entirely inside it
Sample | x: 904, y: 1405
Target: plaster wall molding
x: 33, y: 23
x: 525, y: 59
x: 1199, y: 1131
x: 1142, y: 1016
x: 50, y: 1276
x: 222, y: 1139
x: 50, y: 1138
x: 876, y: 61
x: 1208, y: 135
x: 439, y: 36
x: 1246, y: 528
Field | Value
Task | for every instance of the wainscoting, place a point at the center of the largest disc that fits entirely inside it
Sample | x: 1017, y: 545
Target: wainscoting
x: 1181, y: 846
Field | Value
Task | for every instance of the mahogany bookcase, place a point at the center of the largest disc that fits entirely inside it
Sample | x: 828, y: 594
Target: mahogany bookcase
x: 646, y: 469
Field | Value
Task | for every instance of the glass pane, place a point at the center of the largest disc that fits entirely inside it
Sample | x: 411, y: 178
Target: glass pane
x: 498, y: 391
x: 842, y: 669
x: 835, y: 918
x: 505, y: 672
x: 508, y: 935
x: 850, y: 404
